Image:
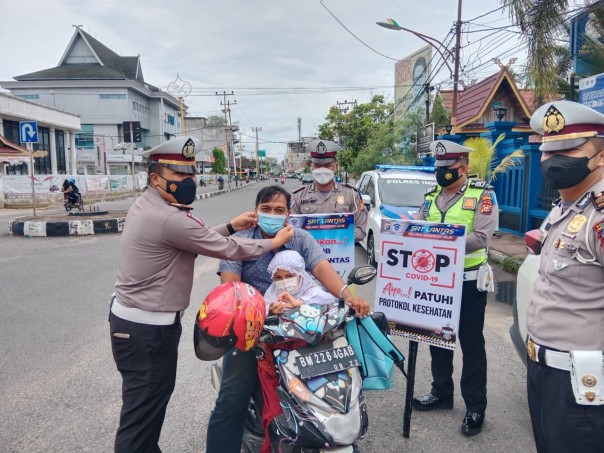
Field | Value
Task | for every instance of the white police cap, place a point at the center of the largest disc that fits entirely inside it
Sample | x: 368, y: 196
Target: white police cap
x: 177, y: 154
x: 566, y: 125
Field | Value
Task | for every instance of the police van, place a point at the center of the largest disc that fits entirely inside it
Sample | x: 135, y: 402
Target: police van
x: 394, y: 192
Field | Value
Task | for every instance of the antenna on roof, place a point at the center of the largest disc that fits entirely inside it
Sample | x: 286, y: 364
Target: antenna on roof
x: 77, y: 26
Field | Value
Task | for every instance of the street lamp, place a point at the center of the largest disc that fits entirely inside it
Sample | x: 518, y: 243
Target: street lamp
x: 448, y: 128
x: 500, y: 112
x: 391, y: 24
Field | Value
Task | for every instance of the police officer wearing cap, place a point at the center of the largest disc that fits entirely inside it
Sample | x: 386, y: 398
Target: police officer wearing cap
x: 157, y: 252
x: 458, y: 200
x: 565, y: 317
x: 325, y: 195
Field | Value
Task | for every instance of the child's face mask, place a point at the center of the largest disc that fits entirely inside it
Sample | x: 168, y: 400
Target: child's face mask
x: 289, y: 285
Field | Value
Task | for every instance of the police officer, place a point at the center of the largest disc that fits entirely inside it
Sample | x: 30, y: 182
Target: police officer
x: 565, y: 317
x: 325, y: 195
x: 160, y: 242
x: 458, y: 200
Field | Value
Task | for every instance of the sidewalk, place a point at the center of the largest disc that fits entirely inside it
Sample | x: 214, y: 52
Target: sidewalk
x: 506, y: 245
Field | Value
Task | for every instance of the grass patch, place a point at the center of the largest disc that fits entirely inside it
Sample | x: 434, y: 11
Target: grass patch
x: 510, y: 265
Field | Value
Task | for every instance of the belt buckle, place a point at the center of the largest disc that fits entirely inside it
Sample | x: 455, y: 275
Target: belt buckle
x: 532, y: 351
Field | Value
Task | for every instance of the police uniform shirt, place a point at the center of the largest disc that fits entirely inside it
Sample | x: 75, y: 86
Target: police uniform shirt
x: 157, y: 253
x: 341, y: 199
x: 255, y: 271
x: 485, y: 215
x: 566, y: 310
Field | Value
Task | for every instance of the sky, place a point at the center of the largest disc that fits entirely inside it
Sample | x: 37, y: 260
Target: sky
x: 283, y: 59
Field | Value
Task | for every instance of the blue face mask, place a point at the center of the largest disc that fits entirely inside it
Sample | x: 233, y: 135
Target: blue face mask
x: 271, y: 224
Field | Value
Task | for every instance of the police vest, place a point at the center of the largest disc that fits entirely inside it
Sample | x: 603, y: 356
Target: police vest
x: 456, y: 214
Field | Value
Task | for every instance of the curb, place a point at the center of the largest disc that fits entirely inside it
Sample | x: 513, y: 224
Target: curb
x: 30, y: 228
x: 107, y: 225
x: 499, y: 258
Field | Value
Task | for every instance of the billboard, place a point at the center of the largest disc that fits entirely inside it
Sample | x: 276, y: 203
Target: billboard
x: 591, y: 92
x: 410, y: 76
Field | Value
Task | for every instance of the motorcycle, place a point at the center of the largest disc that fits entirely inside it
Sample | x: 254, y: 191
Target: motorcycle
x: 304, y: 354
x: 220, y: 184
x: 70, y: 204
x: 282, y: 179
x: 202, y: 182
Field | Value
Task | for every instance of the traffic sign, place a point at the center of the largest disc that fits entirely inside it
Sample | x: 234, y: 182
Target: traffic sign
x: 132, y: 131
x: 28, y: 131
x: 261, y: 153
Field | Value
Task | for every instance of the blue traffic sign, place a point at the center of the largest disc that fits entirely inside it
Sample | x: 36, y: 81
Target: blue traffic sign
x: 28, y: 131
x: 591, y: 92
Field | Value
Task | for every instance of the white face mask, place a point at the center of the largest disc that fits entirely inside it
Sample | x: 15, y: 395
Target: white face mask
x: 323, y: 175
x: 289, y: 285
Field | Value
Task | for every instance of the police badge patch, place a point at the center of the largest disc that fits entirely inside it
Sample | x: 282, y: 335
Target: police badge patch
x: 321, y: 148
x: 598, y: 200
x: 553, y: 121
x: 188, y: 149
x: 599, y: 229
x: 440, y: 149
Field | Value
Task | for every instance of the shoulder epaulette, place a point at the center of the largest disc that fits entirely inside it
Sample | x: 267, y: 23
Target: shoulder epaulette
x: 182, y: 207
x: 430, y: 190
x: 478, y: 184
x: 598, y: 200
x: 299, y: 189
x: 556, y: 202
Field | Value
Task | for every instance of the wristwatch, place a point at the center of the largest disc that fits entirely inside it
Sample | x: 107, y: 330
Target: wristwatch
x: 230, y: 228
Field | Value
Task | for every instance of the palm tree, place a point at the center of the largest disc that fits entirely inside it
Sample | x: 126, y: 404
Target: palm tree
x: 482, y: 163
x: 544, y: 22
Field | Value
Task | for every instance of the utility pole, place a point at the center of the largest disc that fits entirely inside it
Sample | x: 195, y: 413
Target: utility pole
x: 257, y: 129
x: 456, y: 71
x: 227, y: 117
x: 428, y: 88
x: 346, y: 103
x: 240, y: 156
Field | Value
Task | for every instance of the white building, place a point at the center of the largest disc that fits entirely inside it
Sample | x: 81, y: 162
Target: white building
x: 105, y: 90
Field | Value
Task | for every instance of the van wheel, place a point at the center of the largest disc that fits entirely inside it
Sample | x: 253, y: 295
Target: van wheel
x: 371, y: 251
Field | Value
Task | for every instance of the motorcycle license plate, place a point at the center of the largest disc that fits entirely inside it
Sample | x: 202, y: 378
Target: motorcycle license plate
x: 327, y: 361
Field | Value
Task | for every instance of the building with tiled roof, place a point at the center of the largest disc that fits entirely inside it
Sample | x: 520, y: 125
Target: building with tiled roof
x: 105, y: 89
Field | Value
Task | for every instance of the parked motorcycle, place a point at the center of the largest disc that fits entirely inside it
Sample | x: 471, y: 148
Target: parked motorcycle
x: 202, y: 182
x: 318, y: 383
x: 70, y: 204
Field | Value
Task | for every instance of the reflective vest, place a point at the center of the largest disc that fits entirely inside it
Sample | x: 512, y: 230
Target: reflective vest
x: 458, y: 215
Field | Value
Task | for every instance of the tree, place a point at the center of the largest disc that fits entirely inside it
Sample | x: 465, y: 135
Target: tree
x: 219, y: 164
x: 481, y: 162
x: 215, y: 120
x: 543, y: 23
x: 440, y: 116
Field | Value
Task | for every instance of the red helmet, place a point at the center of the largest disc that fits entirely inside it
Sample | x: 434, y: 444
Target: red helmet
x: 232, y: 315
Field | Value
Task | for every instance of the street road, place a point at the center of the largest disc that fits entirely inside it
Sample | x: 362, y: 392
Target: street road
x: 60, y: 391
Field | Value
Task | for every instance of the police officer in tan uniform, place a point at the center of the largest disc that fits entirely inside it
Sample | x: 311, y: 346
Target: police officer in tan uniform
x: 565, y: 317
x: 472, y: 203
x: 158, y: 247
x: 325, y: 195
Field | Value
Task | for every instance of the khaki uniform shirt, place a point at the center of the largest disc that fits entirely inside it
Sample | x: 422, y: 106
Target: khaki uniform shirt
x: 341, y: 198
x: 486, y: 214
x: 566, y: 310
x: 157, y: 253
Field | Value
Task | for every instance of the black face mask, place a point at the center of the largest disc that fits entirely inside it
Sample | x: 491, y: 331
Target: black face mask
x: 564, y: 172
x: 183, y: 191
x: 447, y: 176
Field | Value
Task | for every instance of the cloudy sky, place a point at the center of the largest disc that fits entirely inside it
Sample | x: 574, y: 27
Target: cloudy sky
x: 283, y: 59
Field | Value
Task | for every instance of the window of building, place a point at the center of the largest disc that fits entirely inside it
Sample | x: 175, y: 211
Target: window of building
x: 42, y: 164
x: 28, y: 96
x: 85, y: 139
x: 60, y: 152
x: 112, y: 96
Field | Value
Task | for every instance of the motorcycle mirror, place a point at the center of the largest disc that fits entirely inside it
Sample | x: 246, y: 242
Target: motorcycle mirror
x: 361, y: 275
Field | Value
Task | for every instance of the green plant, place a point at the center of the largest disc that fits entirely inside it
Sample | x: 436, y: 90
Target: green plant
x: 510, y: 265
x: 481, y: 160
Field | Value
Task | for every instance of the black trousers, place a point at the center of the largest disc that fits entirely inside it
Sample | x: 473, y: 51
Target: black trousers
x: 147, y: 363
x: 560, y: 425
x: 474, y: 372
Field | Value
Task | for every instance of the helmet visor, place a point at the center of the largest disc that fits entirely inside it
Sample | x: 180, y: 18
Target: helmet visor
x: 209, y: 347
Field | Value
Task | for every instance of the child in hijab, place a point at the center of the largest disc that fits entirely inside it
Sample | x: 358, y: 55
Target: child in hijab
x: 292, y: 285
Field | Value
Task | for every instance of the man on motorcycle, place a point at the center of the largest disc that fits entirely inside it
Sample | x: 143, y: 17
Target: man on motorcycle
x: 240, y: 375
x: 69, y: 187
x: 220, y: 182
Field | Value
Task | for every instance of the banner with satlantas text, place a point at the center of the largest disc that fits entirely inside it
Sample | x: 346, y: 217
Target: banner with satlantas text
x: 334, y: 233
x: 420, y: 279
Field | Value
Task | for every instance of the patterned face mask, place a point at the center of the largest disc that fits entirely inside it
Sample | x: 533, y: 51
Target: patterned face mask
x: 289, y: 285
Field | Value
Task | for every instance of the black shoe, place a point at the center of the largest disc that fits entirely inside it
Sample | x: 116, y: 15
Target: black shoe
x: 472, y: 423
x: 429, y: 402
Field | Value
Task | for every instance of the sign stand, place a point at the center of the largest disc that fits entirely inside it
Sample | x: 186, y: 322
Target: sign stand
x: 28, y: 134
x: 32, y: 176
x: 410, y: 388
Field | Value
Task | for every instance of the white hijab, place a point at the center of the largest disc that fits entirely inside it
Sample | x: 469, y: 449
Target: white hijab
x: 309, y: 290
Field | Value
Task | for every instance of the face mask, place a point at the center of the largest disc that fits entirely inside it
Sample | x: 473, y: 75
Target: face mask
x: 289, y: 285
x: 447, y: 176
x: 271, y: 224
x: 182, y: 191
x: 323, y: 175
x: 563, y: 172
